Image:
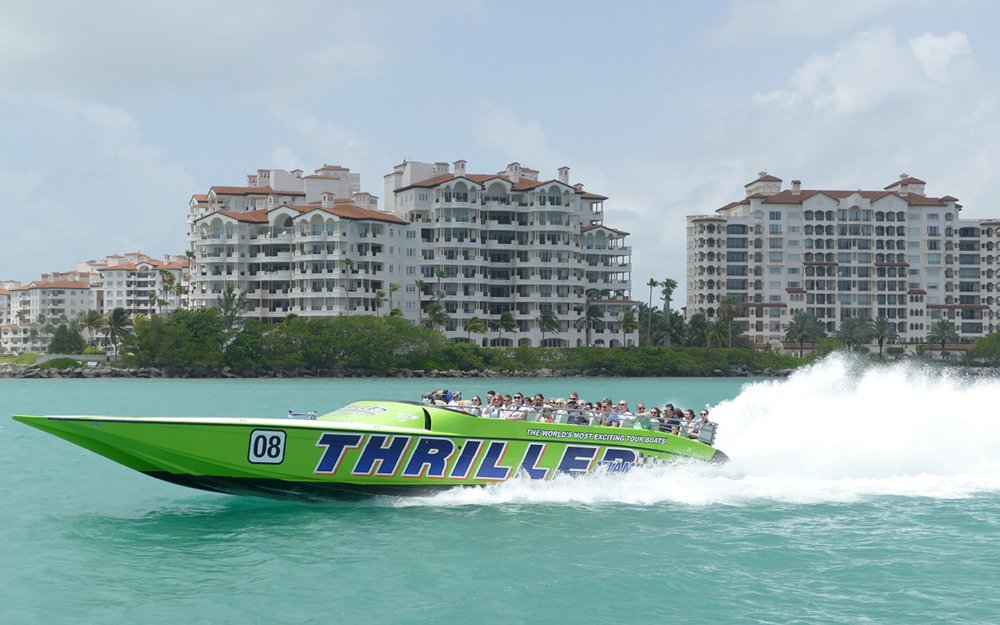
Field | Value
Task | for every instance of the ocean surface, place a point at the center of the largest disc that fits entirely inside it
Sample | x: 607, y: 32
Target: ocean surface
x: 855, y: 495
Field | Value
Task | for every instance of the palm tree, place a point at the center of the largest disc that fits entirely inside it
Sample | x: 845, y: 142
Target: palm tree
x: 547, y: 321
x: 393, y: 287
x: 475, y: 324
x: 943, y: 331
x: 118, y: 326
x: 379, y: 298
x: 439, y: 274
x: 803, y: 328
x: 627, y: 323
x: 437, y: 315
x: 715, y: 333
x: 667, y: 291
x: 167, y: 283
x: 93, y: 322
x: 649, y: 317
x: 855, y: 331
x: 421, y: 287
x: 506, y: 322
x: 728, y: 311
x: 883, y: 330
x: 592, y: 316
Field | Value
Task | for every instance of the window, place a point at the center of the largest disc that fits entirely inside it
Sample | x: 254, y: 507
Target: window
x: 774, y: 215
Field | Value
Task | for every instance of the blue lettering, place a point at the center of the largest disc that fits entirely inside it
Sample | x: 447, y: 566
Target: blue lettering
x: 432, y: 453
x: 530, y: 463
x: 488, y: 468
x: 336, y: 445
x: 466, y: 459
x: 386, y: 457
x: 577, y: 459
x: 619, y: 460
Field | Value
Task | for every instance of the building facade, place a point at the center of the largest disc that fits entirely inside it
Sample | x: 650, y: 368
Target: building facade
x: 310, y: 245
x: 838, y: 254
x: 486, y: 245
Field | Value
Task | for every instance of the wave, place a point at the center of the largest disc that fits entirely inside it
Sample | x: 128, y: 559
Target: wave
x: 837, y: 431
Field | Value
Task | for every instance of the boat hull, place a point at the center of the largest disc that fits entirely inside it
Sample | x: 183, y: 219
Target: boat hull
x: 368, y: 448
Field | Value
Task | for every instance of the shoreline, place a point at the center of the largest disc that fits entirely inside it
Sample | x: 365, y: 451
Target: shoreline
x: 32, y: 372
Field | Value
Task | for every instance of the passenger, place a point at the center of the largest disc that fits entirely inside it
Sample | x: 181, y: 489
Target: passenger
x: 515, y: 408
x: 687, y: 424
x: 655, y: 423
x: 697, y: 425
x: 477, y: 406
x: 640, y: 410
x: 611, y: 418
x: 623, y: 409
x: 494, y: 410
x: 671, y: 420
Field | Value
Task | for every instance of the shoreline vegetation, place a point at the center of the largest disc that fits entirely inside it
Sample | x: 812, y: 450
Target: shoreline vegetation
x: 206, y: 343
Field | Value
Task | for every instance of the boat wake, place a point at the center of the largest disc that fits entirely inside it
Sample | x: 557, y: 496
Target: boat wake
x: 838, y: 431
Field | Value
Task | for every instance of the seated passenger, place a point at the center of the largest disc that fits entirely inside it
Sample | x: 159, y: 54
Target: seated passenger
x: 695, y: 428
x: 640, y: 410
x: 671, y: 419
x: 477, y: 406
x: 611, y: 418
x: 687, y: 424
x: 654, y: 419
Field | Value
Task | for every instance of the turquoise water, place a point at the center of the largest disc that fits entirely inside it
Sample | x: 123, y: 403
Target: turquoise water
x: 854, y: 496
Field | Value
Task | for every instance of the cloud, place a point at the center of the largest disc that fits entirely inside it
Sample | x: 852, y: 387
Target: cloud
x: 500, y: 130
x: 936, y: 53
x: 870, y: 70
x: 101, y: 189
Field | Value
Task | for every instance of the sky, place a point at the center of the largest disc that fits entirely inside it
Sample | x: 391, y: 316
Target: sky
x: 113, y: 113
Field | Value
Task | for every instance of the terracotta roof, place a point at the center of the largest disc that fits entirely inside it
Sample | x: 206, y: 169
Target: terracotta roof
x: 520, y: 185
x: 764, y: 178
x: 907, y: 180
x: 252, y: 191
x: 732, y: 205
x: 593, y: 196
x: 348, y: 210
x: 200, y: 197
x: 788, y: 197
x: 58, y: 284
x: 594, y: 227
x: 4, y: 292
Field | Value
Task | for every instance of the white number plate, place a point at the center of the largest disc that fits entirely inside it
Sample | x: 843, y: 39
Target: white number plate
x: 266, y: 447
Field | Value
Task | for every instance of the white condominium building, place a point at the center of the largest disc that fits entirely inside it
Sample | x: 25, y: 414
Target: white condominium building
x: 486, y: 244
x: 38, y: 307
x: 311, y: 245
x: 838, y: 254
x: 139, y: 283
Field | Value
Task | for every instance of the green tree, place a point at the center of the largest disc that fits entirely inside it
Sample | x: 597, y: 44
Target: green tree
x: 393, y: 287
x: 668, y: 286
x: 66, y: 341
x: 804, y: 328
x: 93, y: 322
x: 506, y: 322
x: 649, y: 317
x: 168, y: 286
x: 883, y: 330
x: 591, y: 318
x: 437, y: 316
x: 855, y: 331
x: 474, y: 324
x: 943, y: 331
x: 729, y: 309
x: 627, y: 323
x: 118, y: 327
x: 379, y: 298
x: 987, y: 350
x: 232, y: 303
x: 547, y: 321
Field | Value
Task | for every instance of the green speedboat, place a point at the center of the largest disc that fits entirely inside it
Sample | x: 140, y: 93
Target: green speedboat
x: 369, y: 448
